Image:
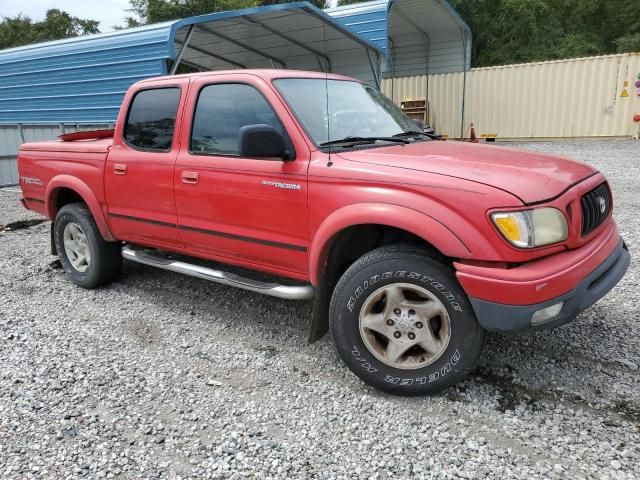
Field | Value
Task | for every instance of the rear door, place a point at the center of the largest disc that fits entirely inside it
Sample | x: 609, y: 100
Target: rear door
x: 139, y: 169
x: 245, y: 210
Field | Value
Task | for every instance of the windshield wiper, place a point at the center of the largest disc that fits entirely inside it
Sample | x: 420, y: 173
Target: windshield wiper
x: 416, y: 132
x: 364, y: 140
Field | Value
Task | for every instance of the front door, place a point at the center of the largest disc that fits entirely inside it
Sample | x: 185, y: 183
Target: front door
x: 250, y: 211
x: 140, y: 166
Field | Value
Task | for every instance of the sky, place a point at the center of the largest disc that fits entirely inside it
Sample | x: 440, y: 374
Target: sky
x: 107, y: 12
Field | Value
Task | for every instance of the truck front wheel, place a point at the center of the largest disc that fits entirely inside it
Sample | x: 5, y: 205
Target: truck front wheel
x: 88, y: 259
x: 402, y: 323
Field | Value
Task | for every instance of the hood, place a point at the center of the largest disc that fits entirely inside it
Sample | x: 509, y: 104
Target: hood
x: 530, y: 176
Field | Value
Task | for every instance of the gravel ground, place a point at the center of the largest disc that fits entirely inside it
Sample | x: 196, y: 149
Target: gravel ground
x: 164, y: 376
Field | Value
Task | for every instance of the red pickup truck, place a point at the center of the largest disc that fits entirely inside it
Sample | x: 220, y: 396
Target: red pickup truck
x: 411, y: 247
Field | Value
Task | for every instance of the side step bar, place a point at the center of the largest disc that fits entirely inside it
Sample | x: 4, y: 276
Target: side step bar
x: 146, y: 257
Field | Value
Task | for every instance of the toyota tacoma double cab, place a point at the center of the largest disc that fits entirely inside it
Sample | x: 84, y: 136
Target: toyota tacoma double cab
x: 411, y: 247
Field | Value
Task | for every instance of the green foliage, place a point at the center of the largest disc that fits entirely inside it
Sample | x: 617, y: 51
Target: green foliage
x: 628, y: 43
x: 152, y: 11
x: 57, y: 24
x: 516, y: 31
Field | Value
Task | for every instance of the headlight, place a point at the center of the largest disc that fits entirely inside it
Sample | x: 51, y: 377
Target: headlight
x: 532, y: 228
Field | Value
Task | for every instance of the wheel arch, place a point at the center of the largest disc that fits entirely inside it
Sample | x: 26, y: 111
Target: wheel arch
x: 64, y: 189
x: 417, y: 224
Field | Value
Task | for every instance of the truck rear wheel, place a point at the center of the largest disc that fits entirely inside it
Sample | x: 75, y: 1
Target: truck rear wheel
x: 88, y: 259
x: 402, y: 323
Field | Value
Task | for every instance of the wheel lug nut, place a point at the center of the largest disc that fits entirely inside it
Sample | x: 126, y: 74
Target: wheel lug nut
x: 397, y: 311
x: 412, y: 336
x: 390, y: 322
x: 419, y: 325
x: 412, y: 312
x: 397, y: 334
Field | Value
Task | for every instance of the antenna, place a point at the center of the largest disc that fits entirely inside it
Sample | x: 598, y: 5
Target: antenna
x: 326, y: 86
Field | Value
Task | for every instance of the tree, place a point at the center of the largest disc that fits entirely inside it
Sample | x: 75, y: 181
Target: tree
x: 514, y: 31
x: 153, y: 11
x: 21, y: 30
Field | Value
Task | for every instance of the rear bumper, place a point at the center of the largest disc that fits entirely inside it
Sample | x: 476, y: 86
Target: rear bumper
x: 518, y: 318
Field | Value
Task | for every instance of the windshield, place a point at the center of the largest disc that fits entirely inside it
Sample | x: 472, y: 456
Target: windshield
x: 354, y: 109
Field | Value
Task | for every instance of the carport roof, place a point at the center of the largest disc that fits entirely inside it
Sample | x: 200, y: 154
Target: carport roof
x: 293, y: 35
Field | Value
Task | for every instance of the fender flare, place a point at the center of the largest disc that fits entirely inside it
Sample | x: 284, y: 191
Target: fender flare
x: 418, y: 223
x: 87, y: 195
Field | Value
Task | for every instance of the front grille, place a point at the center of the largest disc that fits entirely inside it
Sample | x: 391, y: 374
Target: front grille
x: 596, y: 207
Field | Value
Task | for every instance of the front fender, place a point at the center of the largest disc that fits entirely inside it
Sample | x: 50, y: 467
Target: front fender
x: 420, y: 224
x: 78, y: 186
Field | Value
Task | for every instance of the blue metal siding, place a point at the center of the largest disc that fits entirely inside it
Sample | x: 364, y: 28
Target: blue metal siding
x: 369, y: 20
x: 81, y: 79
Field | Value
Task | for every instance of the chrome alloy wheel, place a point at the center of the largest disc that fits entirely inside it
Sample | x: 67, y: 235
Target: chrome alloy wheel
x: 405, y: 326
x: 76, y: 247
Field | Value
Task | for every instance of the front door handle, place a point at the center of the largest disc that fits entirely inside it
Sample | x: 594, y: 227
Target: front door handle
x: 119, y: 169
x: 190, y: 177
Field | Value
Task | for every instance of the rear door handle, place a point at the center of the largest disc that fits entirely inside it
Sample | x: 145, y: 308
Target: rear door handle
x: 190, y: 177
x: 119, y: 169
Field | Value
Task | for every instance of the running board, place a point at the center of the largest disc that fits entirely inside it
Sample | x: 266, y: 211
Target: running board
x: 146, y: 257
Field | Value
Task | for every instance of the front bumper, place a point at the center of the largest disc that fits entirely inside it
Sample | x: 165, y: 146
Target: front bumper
x: 501, y: 317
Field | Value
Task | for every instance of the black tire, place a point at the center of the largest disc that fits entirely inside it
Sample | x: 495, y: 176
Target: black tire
x: 404, y: 264
x: 106, y: 259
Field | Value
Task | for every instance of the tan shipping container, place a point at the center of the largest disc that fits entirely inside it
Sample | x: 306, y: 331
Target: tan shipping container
x: 584, y: 97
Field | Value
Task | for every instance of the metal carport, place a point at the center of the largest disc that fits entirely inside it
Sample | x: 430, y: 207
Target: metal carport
x: 293, y: 36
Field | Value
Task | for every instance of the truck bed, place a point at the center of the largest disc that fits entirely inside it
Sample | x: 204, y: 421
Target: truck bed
x: 78, y: 155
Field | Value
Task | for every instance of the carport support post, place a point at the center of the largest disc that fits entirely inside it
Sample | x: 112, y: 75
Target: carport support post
x: 183, y: 49
x: 392, y: 58
x: 379, y: 67
x: 427, y: 54
x: 464, y: 81
x: 374, y: 70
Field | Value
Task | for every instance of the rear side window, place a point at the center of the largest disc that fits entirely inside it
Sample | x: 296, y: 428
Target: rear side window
x: 152, y: 118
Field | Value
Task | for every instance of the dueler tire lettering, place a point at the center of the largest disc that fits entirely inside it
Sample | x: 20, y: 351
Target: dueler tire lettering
x: 450, y: 297
x: 404, y: 264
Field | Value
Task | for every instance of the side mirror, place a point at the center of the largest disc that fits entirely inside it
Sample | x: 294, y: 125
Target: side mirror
x: 261, y: 141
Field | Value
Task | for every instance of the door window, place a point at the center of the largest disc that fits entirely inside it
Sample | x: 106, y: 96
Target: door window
x: 220, y: 112
x: 151, y: 119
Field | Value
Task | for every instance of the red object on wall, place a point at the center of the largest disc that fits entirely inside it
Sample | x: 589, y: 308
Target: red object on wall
x: 636, y: 118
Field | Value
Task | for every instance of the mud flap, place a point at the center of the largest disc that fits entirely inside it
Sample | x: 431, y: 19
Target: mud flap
x: 54, y: 251
x: 320, y: 316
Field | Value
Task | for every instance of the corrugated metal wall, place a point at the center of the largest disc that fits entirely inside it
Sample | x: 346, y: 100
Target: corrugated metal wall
x: 81, y: 79
x: 559, y: 99
x: 369, y: 20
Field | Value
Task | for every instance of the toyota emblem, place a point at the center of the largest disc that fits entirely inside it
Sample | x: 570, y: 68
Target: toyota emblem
x: 603, y: 205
